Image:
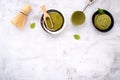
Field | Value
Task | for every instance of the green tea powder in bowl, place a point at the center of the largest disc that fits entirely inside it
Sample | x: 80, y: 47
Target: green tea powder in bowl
x: 78, y: 18
x: 57, y: 21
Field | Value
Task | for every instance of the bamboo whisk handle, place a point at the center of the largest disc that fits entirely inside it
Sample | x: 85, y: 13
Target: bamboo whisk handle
x: 26, y: 9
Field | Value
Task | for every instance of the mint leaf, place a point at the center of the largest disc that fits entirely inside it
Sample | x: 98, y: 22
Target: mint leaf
x: 76, y: 36
x: 32, y: 25
x: 101, y: 11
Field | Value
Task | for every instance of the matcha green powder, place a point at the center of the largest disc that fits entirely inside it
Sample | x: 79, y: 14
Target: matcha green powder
x: 57, y: 21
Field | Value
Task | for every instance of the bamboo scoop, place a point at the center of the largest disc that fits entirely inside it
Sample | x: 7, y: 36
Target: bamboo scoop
x: 20, y: 19
x: 46, y: 16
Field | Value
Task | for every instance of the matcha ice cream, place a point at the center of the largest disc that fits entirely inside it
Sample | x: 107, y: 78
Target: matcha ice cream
x: 102, y: 21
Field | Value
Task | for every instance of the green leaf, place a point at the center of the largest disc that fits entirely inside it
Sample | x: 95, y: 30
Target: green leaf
x: 101, y: 11
x: 32, y: 25
x: 76, y: 36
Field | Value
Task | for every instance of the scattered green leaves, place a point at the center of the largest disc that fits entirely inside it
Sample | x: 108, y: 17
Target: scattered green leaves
x: 76, y: 36
x: 101, y: 11
x: 32, y: 25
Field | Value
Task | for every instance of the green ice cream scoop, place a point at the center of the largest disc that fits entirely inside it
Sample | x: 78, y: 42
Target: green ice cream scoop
x: 102, y: 21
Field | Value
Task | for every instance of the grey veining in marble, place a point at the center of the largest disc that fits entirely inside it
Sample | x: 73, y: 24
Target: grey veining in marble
x: 32, y: 54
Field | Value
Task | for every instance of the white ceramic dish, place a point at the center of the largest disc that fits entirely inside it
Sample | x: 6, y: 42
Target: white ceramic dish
x: 49, y: 31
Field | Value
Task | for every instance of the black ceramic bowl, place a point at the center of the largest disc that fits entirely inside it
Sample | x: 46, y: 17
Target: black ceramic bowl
x: 51, y: 31
x: 111, y: 25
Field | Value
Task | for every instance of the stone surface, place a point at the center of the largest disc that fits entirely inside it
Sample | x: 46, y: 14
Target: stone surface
x: 32, y: 54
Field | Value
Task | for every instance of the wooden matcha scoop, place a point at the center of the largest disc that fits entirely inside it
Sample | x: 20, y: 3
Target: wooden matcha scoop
x: 46, y: 16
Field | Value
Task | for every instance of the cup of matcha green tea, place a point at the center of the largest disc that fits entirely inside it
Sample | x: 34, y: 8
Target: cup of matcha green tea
x: 78, y: 18
x: 57, y: 19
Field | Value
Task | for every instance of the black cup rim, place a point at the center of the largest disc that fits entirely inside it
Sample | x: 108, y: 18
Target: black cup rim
x: 112, y: 21
x: 43, y: 23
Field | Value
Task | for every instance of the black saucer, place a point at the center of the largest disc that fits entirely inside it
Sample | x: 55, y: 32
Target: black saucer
x: 112, y: 21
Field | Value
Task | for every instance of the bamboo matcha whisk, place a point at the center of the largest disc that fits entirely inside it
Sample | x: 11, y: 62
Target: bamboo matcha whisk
x: 20, y: 19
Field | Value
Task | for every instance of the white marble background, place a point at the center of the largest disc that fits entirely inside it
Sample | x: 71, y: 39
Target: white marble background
x: 35, y: 55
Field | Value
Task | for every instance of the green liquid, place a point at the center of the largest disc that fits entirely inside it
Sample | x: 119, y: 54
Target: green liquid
x: 78, y: 18
x: 57, y: 20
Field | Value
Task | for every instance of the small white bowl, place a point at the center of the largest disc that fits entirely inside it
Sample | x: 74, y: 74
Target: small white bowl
x: 49, y: 31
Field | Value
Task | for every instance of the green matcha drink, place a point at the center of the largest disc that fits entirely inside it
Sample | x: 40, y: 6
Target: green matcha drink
x: 57, y: 20
x: 102, y: 21
x: 78, y: 18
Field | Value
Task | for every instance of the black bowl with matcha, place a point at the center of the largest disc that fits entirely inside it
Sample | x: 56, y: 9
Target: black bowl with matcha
x: 57, y: 19
x: 103, y: 20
